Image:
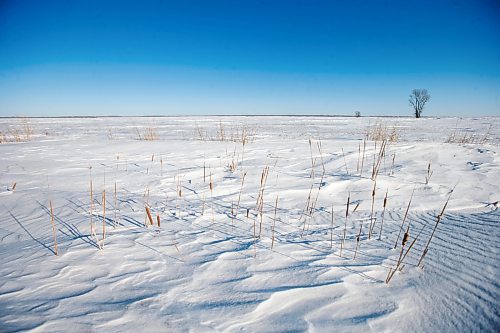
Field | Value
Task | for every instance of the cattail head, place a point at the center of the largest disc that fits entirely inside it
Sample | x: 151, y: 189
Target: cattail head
x: 406, y: 236
x: 347, y: 206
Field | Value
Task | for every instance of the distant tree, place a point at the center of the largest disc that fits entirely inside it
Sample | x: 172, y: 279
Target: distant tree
x: 418, y: 98
x: 357, y: 114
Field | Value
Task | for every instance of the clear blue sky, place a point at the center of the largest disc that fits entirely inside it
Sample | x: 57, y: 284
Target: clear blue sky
x: 248, y: 57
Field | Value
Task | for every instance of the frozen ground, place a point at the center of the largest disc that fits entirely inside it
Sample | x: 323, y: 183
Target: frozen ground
x: 205, y: 269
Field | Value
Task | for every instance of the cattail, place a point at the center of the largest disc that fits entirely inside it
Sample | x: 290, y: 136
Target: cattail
x: 54, y: 233
x: 345, y: 223
x: 211, y: 183
x: 404, y: 218
x: 14, y: 186
x: 357, y: 244
x: 158, y: 219
x: 439, y: 217
x: 406, y: 236
x: 376, y: 165
x: 148, y: 213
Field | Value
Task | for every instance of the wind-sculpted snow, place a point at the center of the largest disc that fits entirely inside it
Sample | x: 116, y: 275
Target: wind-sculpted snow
x: 206, y: 270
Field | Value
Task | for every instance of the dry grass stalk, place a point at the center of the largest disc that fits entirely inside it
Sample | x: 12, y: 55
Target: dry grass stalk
x: 383, y: 214
x: 91, y: 203
x: 363, y: 157
x: 372, y: 221
x: 404, y: 218
x: 54, y: 230
x: 115, y: 222
x: 359, y: 158
x: 13, y: 188
x: 356, y: 207
x: 103, y: 216
x: 358, y: 238
x: 211, y: 185
x: 345, y: 163
x: 331, y: 231
x: 221, y: 132
x: 203, y: 205
x: 392, y: 167
x: 274, y: 222
x: 376, y: 166
x: 312, y: 208
x: 312, y: 159
x: 439, y: 217
x: 320, y: 150
x: 259, y: 206
x: 429, y: 174
x: 406, y: 236
x: 239, y: 195
x: 345, y: 222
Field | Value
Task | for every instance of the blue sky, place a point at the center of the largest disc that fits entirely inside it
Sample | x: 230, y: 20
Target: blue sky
x: 248, y: 57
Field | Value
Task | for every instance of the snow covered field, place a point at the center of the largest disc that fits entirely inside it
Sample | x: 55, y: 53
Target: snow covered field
x: 257, y: 266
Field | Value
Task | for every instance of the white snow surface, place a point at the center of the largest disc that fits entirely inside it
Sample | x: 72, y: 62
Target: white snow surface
x: 205, y: 269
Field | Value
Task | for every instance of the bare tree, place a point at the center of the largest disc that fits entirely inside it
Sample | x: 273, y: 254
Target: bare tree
x: 418, y: 98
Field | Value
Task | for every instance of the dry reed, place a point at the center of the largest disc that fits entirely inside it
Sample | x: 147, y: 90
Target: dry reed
x: 404, y: 218
x: 331, y: 231
x: 439, y: 217
x: 103, y: 216
x: 54, y: 230
x: 372, y: 221
x: 345, y: 222
x: 429, y: 174
x: 345, y: 163
x: 149, y: 216
x: 274, y: 222
x: 383, y: 214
